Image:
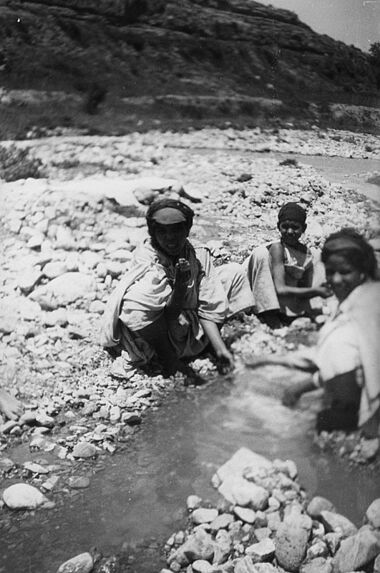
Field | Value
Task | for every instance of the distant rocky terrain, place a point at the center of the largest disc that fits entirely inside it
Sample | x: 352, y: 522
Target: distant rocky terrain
x: 209, y: 57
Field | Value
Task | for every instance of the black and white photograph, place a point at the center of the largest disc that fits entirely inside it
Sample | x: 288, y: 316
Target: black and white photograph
x: 190, y: 286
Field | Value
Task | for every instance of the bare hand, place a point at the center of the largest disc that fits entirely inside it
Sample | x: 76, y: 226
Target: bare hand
x: 290, y: 397
x: 324, y: 290
x: 182, y: 273
x: 225, y: 362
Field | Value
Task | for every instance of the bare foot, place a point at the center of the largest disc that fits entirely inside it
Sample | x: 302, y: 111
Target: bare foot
x: 9, y: 406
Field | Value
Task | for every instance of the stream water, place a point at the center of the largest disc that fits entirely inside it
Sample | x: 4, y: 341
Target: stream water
x: 138, y: 499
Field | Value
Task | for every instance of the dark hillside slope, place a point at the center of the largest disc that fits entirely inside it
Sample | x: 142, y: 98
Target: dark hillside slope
x: 156, y: 47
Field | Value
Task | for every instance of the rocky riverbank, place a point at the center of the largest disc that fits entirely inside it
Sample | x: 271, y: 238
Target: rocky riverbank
x: 69, y: 228
x: 264, y: 523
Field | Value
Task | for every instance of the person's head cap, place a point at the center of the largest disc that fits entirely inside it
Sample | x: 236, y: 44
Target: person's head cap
x: 168, y: 212
x: 169, y: 216
x: 292, y: 212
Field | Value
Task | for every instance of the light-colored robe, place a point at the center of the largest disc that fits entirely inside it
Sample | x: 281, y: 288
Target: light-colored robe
x: 143, y: 293
x: 350, y: 342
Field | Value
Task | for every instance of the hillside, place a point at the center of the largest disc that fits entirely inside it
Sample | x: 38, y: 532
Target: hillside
x: 175, y: 50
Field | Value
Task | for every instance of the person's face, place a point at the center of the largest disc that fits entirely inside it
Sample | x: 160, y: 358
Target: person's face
x: 171, y: 238
x: 291, y: 231
x: 342, y: 276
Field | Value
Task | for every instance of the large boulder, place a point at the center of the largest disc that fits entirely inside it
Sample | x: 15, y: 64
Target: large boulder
x: 291, y: 541
x: 356, y: 551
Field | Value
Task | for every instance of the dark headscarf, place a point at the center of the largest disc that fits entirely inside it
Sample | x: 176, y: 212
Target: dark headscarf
x: 350, y: 244
x: 293, y: 212
x: 168, y: 212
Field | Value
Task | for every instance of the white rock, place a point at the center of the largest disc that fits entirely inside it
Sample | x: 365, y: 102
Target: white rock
x: 204, y: 515
x: 84, y: 450
x: 54, y: 269
x: 202, y: 566
x: 65, y: 289
x: 193, y: 501
x: 65, y: 238
x: 373, y: 513
x: 28, y: 280
x: 82, y: 563
x: 245, y: 514
x: 23, y: 496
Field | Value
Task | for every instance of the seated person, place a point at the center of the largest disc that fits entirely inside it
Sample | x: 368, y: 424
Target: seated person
x: 281, y: 273
x: 172, y: 302
x: 346, y: 358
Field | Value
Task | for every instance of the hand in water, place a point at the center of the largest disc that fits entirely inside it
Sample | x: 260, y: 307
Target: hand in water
x: 191, y: 378
x: 290, y: 397
x: 225, y: 362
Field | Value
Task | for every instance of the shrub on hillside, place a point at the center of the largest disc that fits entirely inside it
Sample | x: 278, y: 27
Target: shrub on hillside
x: 374, y: 52
x: 16, y: 163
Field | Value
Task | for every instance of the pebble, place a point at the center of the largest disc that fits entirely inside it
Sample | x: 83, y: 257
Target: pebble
x: 84, y: 450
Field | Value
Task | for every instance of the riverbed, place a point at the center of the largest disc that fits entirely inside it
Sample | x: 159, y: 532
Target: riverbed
x: 136, y: 497
x: 137, y: 500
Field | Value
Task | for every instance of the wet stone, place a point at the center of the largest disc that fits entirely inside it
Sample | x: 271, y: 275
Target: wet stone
x: 35, y: 468
x: 82, y: 563
x: 193, y: 502
x: 78, y: 482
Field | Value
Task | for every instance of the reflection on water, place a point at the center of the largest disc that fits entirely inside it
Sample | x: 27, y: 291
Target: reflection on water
x: 141, y: 493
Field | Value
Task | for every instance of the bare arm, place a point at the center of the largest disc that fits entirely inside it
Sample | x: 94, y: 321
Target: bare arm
x: 278, y: 271
x: 225, y: 358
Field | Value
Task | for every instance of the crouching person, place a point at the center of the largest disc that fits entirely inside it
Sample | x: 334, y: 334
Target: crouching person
x: 172, y: 303
x: 346, y: 359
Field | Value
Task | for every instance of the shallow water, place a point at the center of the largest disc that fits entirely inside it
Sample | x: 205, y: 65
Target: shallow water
x: 139, y: 497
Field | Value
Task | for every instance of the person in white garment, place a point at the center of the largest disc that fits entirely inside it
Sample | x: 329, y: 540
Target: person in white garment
x: 346, y: 360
